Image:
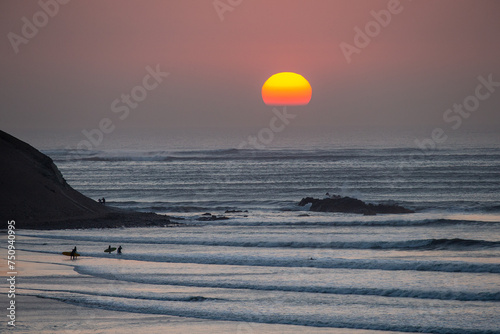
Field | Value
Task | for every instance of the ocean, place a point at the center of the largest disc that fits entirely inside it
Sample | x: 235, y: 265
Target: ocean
x: 273, y: 262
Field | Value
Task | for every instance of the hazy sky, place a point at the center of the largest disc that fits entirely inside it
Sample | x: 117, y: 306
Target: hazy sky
x: 88, y: 54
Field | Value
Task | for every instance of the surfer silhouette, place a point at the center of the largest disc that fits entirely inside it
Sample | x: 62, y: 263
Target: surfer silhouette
x: 119, y: 249
x: 110, y: 249
x: 73, y: 254
x: 103, y: 200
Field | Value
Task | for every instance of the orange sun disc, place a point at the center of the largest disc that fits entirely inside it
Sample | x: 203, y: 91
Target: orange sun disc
x: 286, y: 89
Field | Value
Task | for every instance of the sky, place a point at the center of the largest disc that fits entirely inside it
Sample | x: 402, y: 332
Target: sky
x: 86, y: 55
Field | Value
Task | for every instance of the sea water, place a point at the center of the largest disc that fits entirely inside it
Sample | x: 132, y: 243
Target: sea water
x: 437, y: 270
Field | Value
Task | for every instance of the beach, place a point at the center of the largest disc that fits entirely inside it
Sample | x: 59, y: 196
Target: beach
x: 45, y: 315
x: 49, y: 316
x: 329, y: 275
x: 245, y: 257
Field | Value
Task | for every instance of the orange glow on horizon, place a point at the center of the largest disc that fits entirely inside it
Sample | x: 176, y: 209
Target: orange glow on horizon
x: 286, y: 88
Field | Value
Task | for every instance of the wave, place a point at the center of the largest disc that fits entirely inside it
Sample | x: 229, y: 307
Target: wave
x: 489, y: 208
x: 264, y: 154
x: 248, y: 314
x: 324, y: 263
x: 162, y: 208
x: 400, y: 293
x: 354, y: 223
x: 124, y: 155
x: 455, y: 206
x: 420, y: 244
x: 397, y: 293
x: 136, y: 295
x: 417, y: 244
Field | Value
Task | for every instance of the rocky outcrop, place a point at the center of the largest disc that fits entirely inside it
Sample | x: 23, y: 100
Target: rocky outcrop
x: 210, y: 217
x: 34, y: 193
x: 350, y: 205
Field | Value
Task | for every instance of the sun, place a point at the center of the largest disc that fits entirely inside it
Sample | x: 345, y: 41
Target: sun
x: 286, y: 89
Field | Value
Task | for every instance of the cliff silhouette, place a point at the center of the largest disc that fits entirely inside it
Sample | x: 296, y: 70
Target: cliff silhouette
x: 34, y: 193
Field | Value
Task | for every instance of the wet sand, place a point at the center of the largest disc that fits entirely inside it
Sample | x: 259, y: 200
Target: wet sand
x: 44, y: 315
x: 41, y: 315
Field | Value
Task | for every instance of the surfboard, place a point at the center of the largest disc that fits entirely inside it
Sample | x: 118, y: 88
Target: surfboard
x: 69, y: 254
x: 109, y: 250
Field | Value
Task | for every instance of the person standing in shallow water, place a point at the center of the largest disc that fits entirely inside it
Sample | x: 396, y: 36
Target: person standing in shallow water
x: 119, y: 249
x: 73, y: 254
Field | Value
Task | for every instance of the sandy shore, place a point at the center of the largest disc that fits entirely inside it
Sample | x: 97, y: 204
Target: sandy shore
x: 40, y: 315
x: 43, y: 315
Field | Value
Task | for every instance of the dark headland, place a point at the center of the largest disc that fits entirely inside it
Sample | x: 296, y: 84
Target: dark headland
x: 34, y: 193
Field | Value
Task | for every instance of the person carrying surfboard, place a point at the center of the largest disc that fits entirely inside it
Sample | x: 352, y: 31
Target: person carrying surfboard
x: 73, y: 254
x: 110, y: 249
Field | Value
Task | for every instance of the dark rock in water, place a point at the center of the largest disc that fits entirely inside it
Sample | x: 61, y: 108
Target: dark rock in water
x: 205, y: 218
x: 351, y: 205
x: 176, y: 218
x: 207, y: 214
